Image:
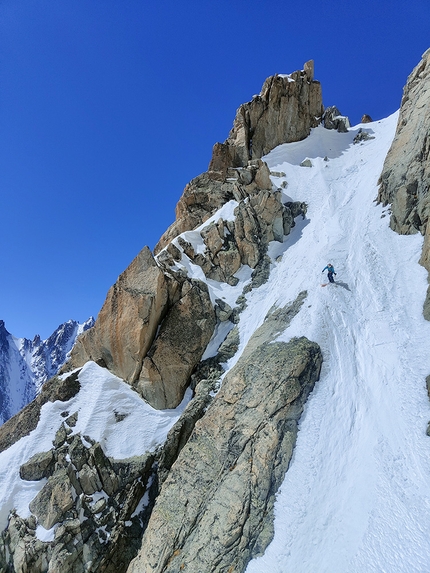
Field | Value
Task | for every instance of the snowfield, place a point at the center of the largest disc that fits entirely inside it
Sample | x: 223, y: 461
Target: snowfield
x: 356, y: 498
x: 357, y: 495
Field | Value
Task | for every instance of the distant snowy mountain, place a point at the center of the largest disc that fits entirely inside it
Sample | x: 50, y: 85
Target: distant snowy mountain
x: 26, y: 364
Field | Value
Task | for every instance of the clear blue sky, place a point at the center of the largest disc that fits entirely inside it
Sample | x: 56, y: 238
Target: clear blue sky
x: 109, y: 107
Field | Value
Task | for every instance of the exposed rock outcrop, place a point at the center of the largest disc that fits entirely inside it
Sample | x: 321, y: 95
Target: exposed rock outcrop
x: 259, y: 218
x: 405, y: 179
x: 127, y: 337
x: 214, y: 511
x: 91, y: 500
x: 128, y: 321
x: 285, y: 111
x: 183, y: 337
x: 333, y: 119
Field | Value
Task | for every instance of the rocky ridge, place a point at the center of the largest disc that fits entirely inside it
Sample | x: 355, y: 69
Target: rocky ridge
x: 152, y: 331
x: 286, y: 109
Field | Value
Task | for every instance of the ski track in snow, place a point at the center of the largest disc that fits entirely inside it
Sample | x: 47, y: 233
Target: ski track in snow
x: 356, y: 496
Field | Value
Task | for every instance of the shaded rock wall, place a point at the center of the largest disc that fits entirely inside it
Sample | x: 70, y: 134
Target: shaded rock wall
x: 214, y: 511
x: 405, y: 179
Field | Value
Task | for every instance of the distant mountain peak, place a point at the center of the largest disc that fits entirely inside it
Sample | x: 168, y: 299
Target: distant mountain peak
x: 26, y: 364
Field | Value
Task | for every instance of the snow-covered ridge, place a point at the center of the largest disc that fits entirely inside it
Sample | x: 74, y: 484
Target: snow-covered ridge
x: 26, y: 364
x: 355, y: 498
x: 109, y: 412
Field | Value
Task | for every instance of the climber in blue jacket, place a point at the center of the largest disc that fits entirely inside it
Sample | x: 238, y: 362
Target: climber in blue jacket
x: 330, y: 272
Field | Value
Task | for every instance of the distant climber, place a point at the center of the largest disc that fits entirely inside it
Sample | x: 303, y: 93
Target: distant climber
x: 330, y: 272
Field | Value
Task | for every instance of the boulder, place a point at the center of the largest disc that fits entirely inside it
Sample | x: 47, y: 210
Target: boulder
x: 38, y: 466
x: 128, y: 320
x: 53, y: 500
x: 333, y: 119
x: 366, y: 118
x: 362, y: 135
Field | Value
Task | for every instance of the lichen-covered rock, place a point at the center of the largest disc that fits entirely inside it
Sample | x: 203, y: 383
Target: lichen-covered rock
x: 214, y: 511
x: 38, y: 466
x: 128, y: 320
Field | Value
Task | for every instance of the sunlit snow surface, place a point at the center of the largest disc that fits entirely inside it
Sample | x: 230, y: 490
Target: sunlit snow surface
x: 357, y: 495
x: 356, y: 498
x: 102, y: 400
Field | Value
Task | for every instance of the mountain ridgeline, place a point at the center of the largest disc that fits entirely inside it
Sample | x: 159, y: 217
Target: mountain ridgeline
x: 26, y: 364
x: 172, y: 327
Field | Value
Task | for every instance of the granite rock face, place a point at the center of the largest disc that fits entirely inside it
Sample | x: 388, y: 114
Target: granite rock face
x: 285, y: 111
x: 127, y: 323
x: 127, y: 337
x: 405, y: 179
x: 214, y: 510
x: 183, y: 336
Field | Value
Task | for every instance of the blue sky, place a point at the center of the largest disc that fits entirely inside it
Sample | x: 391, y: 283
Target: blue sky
x: 109, y: 107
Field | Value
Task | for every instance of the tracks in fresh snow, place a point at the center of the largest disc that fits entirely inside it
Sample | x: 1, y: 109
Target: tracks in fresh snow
x: 356, y: 495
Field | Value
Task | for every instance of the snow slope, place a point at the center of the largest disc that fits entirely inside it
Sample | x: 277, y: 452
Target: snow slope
x: 109, y: 412
x: 356, y: 497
